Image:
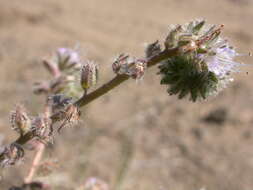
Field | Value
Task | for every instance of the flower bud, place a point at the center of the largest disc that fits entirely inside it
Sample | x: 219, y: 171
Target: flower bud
x: 171, y: 39
x: 89, y: 75
x: 19, y: 120
x: 153, y: 49
x: 131, y: 66
x: 138, y: 69
x: 68, y: 116
x: 11, y: 154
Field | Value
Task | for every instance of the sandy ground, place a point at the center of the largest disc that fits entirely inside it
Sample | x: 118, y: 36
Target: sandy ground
x: 135, y: 137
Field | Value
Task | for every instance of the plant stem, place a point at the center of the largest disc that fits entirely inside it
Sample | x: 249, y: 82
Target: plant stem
x: 101, y: 91
x: 116, y: 81
x: 36, y: 161
x: 40, y: 149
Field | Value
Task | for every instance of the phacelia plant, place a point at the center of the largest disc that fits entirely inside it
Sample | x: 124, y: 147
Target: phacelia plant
x: 194, y: 61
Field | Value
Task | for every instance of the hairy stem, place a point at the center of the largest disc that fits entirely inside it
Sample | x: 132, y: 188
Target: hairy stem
x: 116, y: 81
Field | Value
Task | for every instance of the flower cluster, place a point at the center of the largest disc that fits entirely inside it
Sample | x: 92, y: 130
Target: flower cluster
x: 124, y: 64
x: 11, y: 154
x: 67, y: 117
x: 39, y: 126
x: 204, y: 64
x: 64, y: 66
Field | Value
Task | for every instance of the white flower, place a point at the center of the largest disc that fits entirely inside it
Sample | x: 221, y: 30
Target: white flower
x: 222, y: 62
x: 68, y: 58
x: 72, y: 55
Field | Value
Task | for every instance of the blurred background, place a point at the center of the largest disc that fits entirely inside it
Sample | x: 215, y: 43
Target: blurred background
x: 136, y: 136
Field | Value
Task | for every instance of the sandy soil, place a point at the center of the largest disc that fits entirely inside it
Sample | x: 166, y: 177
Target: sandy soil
x: 135, y: 137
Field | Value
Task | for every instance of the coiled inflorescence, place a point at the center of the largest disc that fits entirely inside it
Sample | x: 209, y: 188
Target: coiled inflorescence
x: 204, y: 63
